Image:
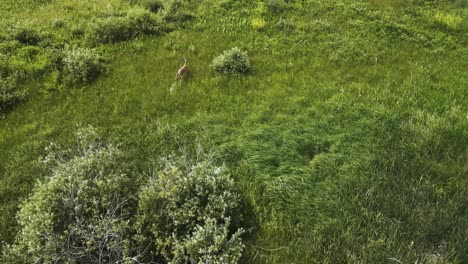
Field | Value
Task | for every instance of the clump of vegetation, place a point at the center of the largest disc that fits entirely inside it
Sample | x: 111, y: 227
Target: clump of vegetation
x: 5, y: 68
x: 258, y: 23
x: 285, y: 25
x: 153, y: 5
x: 57, y: 23
x: 187, y: 209
x: 460, y: 3
x: 231, y: 62
x: 143, y: 22
x: 111, y: 30
x: 89, y: 210
x: 82, y: 65
x: 276, y: 6
x: 138, y: 22
x: 80, y: 214
x: 449, y: 21
x: 176, y: 11
x: 32, y: 60
x: 27, y: 36
x: 10, y: 93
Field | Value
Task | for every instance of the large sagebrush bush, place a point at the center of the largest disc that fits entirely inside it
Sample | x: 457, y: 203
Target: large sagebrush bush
x: 186, y: 213
x: 231, y: 62
x: 82, y: 65
x: 80, y: 214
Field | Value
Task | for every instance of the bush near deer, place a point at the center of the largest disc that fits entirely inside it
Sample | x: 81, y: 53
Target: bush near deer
x: 231, y: 62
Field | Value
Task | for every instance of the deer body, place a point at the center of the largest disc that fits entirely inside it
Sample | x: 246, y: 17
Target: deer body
x: 182, y: 70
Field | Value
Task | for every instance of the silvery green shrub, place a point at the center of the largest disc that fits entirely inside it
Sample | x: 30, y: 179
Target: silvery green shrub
x: 231, y: 62
x: 80, y: 214
x: 82, y: 65
x: 186, y: 211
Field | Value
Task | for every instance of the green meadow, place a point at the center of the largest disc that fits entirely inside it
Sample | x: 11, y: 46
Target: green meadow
x: 347, y: 140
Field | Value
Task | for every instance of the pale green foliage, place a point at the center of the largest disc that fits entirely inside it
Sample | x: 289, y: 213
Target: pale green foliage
x: 231, y: 62
x: 82, y: 65
x: 187, y: 209
x: 79, y: 214
x: 210, y: 243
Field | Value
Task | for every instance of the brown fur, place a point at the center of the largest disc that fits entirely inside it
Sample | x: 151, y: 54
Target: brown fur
x: 182, y: 70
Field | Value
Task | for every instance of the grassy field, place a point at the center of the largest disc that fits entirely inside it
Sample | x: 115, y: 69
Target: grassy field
x: 348, y: 141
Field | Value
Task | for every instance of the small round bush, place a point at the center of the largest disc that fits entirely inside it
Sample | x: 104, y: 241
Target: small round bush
x: 231, y: 62
x: 82, y: 65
